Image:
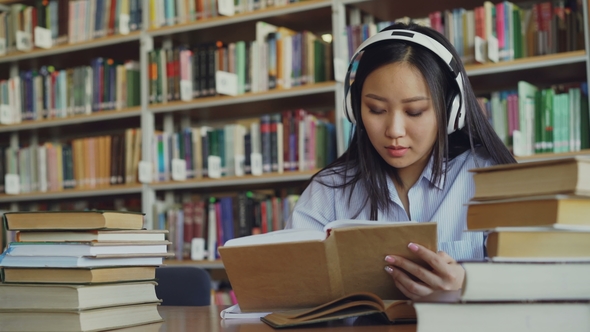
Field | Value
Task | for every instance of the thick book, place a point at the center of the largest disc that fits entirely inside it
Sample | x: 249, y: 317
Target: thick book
x: 525, y: 281
x: 319, y: 266
x: 86, y: 249
x: 75, y: 297
x: 92, y: 236
x: 78, y: 275
x: 72, y: 220
x: 547, y: 210
x: 79, y: 320
x: 530, y: 243
x: 352, y: 305
x: 444, y: 311
x: 568, y: 175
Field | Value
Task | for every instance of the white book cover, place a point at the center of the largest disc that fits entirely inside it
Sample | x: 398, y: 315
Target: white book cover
x: 212, y: 234
x: 42, y: 169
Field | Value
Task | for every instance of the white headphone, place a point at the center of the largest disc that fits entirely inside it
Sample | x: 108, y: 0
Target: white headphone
x: 457, y: 111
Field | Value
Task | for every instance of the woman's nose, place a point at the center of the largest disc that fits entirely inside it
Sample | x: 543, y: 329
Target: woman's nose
x: 395, y: 126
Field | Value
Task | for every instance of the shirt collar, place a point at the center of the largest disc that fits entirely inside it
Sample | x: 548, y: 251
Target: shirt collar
x: 428, y: 174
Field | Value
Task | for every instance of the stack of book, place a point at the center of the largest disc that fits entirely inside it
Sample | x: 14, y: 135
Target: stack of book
x: 537, y: 219
x: 79, y: 271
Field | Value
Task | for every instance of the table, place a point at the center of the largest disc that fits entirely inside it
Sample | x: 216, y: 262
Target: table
x: 206, y: 319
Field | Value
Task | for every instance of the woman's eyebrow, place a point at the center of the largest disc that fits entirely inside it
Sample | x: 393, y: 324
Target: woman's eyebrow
x: 417, y: 98
x: 372, y: 96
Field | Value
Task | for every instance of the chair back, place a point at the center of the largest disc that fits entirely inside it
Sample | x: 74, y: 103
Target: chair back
x: 183, y: 286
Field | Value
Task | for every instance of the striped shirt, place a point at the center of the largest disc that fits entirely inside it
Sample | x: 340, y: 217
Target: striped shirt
x: 443, y: 203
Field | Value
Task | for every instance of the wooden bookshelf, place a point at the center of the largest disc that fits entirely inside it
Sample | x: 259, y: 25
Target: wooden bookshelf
x: 73, y: 193
x: 302, y: 92
x: 74, y: 119
x: 235, y: 181
x: 262, y: 14
x: 67, y: 48
x: 549, y: 60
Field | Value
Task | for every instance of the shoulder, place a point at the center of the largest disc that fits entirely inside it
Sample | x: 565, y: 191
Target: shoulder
x: 478, y: 157
x: 335, y: 176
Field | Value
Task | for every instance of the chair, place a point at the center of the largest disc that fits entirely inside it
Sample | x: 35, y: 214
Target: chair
x: 183, y: 286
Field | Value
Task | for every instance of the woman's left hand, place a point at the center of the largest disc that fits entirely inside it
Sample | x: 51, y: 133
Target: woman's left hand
x: 444, y: 273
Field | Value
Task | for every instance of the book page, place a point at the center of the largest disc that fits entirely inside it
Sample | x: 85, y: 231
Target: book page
x: 234, y: 312
x: 342, y: 223
x: 280, y: 236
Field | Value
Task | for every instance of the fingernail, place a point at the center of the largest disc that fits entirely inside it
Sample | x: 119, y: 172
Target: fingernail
x: 388, y: 269
x: 389, y: 259
x: 413, y: 247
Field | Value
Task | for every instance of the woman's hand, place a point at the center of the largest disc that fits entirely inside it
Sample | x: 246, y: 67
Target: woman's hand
x: 444, y: 273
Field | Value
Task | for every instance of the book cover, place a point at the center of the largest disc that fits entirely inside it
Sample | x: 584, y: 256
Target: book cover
x: 319, y: 269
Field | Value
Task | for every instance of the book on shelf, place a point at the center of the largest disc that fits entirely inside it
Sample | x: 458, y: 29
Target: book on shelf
x: 79, y: 90
x: 308, y: 145
x: 80, y: 320
x: 319, y: 265
x: 351, y: 305
x: 73, y: 220
x: 445, y: 309
x: 526, y: 280
x: 92, y: 236
x: 543, y: 210
x: 89, y: 162
x: 78, y: 275
x: 87, y: 249
x: 559, y: 175
x: 75, y: 297
x: 494, y: 32
x: 76, y: 261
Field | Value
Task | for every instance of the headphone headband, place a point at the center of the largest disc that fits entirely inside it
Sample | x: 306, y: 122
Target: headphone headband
x: 456, y: 113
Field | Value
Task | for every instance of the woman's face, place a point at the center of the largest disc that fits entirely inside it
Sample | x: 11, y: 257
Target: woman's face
x: 399, y: 116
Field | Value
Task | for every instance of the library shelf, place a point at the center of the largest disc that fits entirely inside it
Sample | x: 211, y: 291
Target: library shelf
x: 270, y: 95
x: 73, y: 193
x: 255, y: 15
x: 66, y: 48
x: 74, y: 119
x: 534, y: 62
x: 234, y: 181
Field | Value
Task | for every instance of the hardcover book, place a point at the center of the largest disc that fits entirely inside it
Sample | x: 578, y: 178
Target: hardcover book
x: 320, y: 266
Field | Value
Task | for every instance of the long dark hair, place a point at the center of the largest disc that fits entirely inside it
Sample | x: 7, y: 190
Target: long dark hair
x: 361, y: 164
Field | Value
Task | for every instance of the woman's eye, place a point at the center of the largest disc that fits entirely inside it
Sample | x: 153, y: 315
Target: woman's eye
x: 376, y: 111
x: 414, y: 113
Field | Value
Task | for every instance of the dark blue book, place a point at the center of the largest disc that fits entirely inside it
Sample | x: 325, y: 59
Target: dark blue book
x: 227, y: 218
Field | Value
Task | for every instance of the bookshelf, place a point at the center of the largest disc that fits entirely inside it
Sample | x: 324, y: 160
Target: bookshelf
x: 319, y: 16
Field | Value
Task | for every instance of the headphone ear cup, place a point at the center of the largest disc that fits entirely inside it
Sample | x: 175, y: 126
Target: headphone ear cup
x: 455, y: 115
x: 348, y: 107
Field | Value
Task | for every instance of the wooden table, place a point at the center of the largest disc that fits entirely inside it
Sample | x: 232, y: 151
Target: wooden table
x: 206, y: 319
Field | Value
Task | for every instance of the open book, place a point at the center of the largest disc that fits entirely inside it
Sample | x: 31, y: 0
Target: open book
x: 305, y: 234
x: 303, y: 268
x: 353, y: 305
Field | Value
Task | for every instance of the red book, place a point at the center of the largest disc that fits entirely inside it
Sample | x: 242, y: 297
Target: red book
x: 112, y: 14
x: 199, y: 218
x: 276, y: 220
x: 188, y: 231
x: 263, y: 218
x: 219, y: 224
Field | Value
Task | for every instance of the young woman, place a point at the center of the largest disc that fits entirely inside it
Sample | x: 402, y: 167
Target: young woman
x: 418, y: 130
